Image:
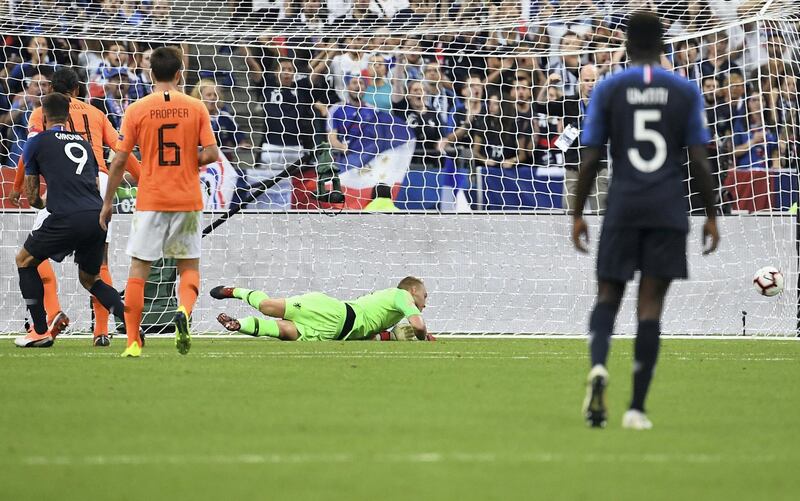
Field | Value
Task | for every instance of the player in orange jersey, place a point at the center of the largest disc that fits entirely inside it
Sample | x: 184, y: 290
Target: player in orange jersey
x: 95, y: 127
x: 168, y: 126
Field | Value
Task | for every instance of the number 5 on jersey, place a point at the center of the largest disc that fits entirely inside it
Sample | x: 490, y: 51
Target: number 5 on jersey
x: 642, y: 134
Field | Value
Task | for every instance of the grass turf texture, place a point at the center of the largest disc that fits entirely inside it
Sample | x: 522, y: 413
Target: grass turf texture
x: 473, y: 419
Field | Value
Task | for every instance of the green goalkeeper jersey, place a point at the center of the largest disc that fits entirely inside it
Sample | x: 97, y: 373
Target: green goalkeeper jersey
x: 379, y: 311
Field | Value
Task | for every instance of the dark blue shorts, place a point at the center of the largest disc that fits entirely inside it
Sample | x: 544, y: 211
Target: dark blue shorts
x: 655, y: 252
x: 62, y: 234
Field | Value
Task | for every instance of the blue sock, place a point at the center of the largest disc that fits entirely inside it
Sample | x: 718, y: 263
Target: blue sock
x: 601, y: 326
x: 32, y: 288
x: 645, y: 350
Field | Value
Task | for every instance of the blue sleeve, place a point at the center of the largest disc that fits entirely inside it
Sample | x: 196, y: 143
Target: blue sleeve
x: 29, y: 156
x: 740, y: 137
x: 595, y: 127
x: 336, y: 121
x: 696, y: 132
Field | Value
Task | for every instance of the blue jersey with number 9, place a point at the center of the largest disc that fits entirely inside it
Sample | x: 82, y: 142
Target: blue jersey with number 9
x: 649, y: 116
x: 67, y: 163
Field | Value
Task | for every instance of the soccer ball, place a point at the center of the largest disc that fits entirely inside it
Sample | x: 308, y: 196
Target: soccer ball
x: 768, y: 281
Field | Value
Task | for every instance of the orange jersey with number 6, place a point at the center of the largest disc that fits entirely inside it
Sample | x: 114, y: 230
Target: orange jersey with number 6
x: 168, y: 127
x: 87, y: 121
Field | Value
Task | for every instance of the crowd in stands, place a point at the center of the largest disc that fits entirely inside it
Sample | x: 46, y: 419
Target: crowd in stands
x: 341, y: 72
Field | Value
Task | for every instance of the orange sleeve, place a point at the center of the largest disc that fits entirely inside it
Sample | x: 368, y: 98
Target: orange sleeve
x: 128, y: 136
x: 19, y: 176
x: 36, y: 122
x: 207, y: 137
x: 111, y: 139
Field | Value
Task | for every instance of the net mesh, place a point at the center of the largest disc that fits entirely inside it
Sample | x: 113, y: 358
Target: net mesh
x: 433, y: 108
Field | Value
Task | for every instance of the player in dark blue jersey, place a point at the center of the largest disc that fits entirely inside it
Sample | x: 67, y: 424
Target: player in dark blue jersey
x: 69, y: 168
x: 649, y: 116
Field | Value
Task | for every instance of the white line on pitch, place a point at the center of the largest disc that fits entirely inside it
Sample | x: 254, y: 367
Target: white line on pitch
x: 408, y: 458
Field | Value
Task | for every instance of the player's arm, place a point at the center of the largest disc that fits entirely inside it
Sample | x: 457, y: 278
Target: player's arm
x: 594, y: 137
x: 420, y: 329
x: 32, y: 172
x: 127, y: 140
x: 110, y: 137
x: 697, y: 138
x: 35, y: 126
x: 404, y: 303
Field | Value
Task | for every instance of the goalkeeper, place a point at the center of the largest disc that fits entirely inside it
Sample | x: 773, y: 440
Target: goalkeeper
x: 318, y: 317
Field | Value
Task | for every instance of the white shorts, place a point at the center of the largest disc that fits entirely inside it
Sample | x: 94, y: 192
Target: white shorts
x: 42, y: 214
x: 156, y: 234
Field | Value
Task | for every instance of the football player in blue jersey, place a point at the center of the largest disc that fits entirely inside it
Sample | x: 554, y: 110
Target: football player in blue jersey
x: 649, y: 116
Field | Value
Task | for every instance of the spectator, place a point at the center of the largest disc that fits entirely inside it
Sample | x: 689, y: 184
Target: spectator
x: 142, y: 85
x: 313, y: 16
x: 756, y: 151
x: 115, y: 55
x: 34, y: 56
x: 128, y: 12
x: 717, y: 61
x: 409, y: 64
x: 350, y: 62
x: 520, y: 117
x: 376, y: 9
x: 736, y: 108
x: 567, y: 68
x: 467, y: 118
x: 464, y: 58
x: 289, y: 130
x: 425, y: 124
x: 159, y: 17
x: 548, y: 123
x: 574, y: 113
x: 439, y: 95
x: 115, y: 98
x: 23, y: 104
x: 379, y: 88
x: 222, y: 123
x: 493, y: 146
x: 685, y: 60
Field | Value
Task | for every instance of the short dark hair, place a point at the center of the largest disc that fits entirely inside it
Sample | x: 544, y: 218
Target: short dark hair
x: 64, y: 80
x: 165, y: 62
x: 644, y: 36
x: 55, y: 107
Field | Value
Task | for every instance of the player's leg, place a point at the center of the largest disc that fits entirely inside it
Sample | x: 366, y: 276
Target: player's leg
x: 617, y: 258
x: 663, y: 260
x: 134, y: 303
x: 57, y: 320
x: 271, y: 307
x: 100, y: 312
x: 285, y: 330
x: 652, y: 291
x: 182, y: 242
x: 32, y: 289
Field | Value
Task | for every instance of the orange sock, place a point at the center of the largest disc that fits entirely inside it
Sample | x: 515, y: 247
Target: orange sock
x: 134, y: 305
x: 188, y: 289
x: 100, y: 313
x: 51, y: 303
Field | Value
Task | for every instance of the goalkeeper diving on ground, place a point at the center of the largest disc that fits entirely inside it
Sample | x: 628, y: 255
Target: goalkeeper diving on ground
x: 318, y: 317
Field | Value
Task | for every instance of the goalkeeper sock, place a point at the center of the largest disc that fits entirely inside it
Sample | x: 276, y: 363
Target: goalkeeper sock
x: 253, y: 326
x: 645, y: 351
x: 251, y: 297
x: 601, y: 325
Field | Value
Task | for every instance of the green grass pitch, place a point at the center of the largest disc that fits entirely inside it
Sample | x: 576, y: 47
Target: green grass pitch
x: 454, y: 419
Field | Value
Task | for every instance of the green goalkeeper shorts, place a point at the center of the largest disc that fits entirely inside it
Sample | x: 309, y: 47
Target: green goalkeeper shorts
x: 316, y: 316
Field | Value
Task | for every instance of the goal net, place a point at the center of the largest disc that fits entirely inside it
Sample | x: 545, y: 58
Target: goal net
x: 366, y: 140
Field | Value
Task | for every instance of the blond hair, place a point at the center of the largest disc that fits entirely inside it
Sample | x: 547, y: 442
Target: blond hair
x: 198, y: 88
x: 409, y: 282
